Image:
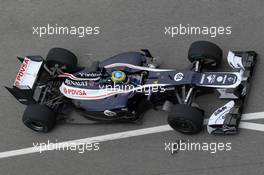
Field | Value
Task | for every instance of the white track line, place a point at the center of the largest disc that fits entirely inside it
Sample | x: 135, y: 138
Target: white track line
x: 103, y: 138
x: 251, y: 126
x: 127, y: 134
x: 253, y: 116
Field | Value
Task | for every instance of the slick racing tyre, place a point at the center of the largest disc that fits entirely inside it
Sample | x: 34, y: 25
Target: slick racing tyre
x: 134, y: 58
x: 39, y: 118
x: 93, y: 67
x: 62, y: 57
x: 208, y: 53
x: 186, y: 119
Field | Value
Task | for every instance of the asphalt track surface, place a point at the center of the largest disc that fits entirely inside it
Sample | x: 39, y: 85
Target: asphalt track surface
x: 129, y: 26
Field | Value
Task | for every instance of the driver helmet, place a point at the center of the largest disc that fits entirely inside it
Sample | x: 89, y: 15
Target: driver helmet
x: 119, y: 77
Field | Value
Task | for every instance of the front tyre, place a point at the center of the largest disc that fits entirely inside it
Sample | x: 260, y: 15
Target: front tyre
x: 207, y: 52
x: 39, y: 118
x: 186, y: 119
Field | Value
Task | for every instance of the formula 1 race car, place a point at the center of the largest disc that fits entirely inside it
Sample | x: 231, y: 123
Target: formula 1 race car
x: 122, y: 87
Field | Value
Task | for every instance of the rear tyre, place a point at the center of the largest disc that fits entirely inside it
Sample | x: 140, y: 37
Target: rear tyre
x: 93, y: 67
x: 206, y: 52
x: 186, y: 119
x: 39, y: 118
x: 134, y: 58
x: 62, y: 57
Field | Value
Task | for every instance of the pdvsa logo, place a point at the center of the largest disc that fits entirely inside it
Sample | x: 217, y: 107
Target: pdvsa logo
x: 178, y: 77
x: 21, y: 71
x: 74, y: 92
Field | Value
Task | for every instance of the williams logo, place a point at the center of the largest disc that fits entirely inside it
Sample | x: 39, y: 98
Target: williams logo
x: 110, y: 113
x: 178, y: 77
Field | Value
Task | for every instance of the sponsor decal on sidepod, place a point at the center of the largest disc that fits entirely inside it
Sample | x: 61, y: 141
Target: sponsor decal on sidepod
x: 74, y: 92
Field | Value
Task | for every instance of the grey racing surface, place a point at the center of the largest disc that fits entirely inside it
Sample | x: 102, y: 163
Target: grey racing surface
x: 129, y: 26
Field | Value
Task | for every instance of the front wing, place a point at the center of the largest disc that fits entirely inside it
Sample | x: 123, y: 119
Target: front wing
x: 225, y: 120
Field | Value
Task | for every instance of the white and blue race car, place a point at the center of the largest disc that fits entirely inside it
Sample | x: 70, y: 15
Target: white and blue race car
x: 122, y: 87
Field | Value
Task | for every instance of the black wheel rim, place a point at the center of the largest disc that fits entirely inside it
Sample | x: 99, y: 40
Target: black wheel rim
x: 185, y: 126
x: 209, y: 61
x: 206, y: 61
x: 51, y: 64
x: 35, y: 125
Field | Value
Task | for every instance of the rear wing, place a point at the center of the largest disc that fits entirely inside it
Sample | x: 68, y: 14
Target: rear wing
x: 23, y: 87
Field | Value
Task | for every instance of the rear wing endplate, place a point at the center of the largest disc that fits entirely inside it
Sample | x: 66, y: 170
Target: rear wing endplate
x: 23, y: 87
